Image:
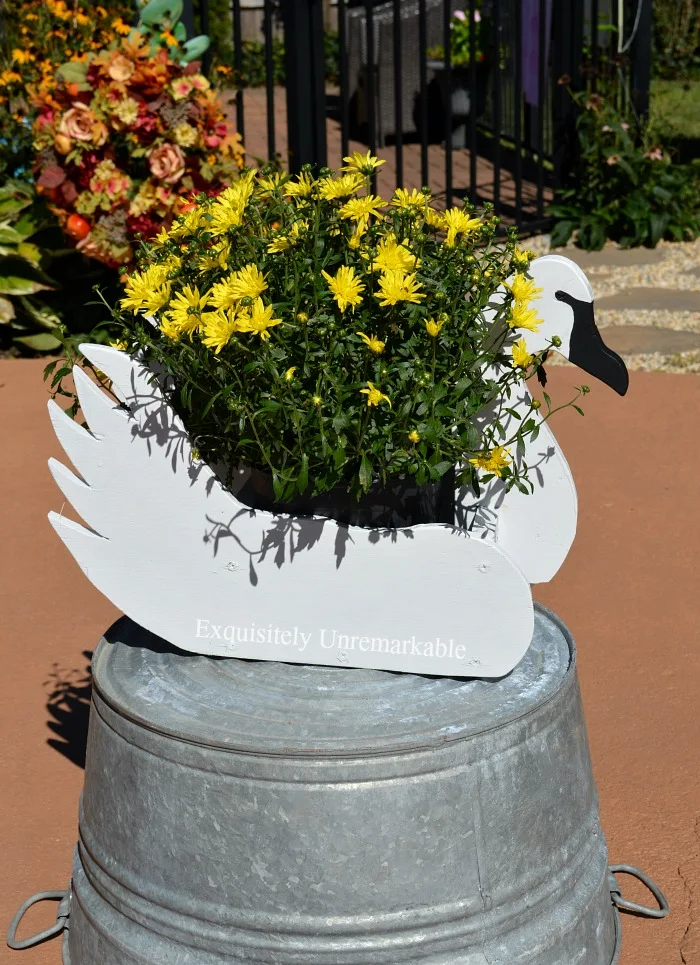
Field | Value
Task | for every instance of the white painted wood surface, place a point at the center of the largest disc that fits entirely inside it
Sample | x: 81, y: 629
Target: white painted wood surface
x: 184, y: 558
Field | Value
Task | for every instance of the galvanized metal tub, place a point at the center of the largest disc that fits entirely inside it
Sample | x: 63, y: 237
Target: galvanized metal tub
x: 242, y: 812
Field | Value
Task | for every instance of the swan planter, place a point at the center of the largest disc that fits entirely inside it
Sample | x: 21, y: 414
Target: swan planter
x: 184, y: 558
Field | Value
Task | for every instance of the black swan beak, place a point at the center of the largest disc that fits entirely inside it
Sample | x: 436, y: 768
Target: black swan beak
x: 587, y: 349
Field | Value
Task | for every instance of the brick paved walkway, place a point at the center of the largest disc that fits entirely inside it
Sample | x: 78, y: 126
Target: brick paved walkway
x: 256, y: 143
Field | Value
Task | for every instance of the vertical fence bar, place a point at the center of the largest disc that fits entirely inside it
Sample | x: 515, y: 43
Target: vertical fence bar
x: 473, y: 193
x: 544, y: 77
x: 269, y: 79
x: 306, y: 84
x: 206, y: 60
x: 370, y: 86
x: 238, y: 67
x: 447, y: 43
x: 343, y: 78
x: 423, y: 104
x: 595, y: 52
x: 497, y: 108
x: 518, y: 111
x: 641, y: 60
x: 398, y: 94
x: 187, y: 17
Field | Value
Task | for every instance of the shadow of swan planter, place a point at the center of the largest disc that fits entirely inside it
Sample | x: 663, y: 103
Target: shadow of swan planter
x: 315, y: 741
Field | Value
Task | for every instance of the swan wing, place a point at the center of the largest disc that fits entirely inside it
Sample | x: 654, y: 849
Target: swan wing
x: 169, y: 545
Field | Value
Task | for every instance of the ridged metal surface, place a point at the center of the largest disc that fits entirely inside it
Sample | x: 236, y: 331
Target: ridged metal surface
x: 240, y: 812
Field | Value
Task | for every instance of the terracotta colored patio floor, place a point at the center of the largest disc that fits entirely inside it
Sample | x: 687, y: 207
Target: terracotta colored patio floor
x: 629, y: 592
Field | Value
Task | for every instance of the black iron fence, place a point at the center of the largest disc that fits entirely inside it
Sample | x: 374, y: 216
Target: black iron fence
x: 492, y: 120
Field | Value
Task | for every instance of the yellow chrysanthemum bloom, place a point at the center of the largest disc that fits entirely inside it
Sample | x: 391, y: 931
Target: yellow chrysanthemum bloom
x: 218, y: 328
x: 523, y: 317
x: 392, y: 256
x: 521, y: 356
x: 494, y: 461
x: 522, y: 257
x: 359, y: 209
x: 147, y: 291
x: 161, y: 238
x: 170, y: 329
x: 413, y: 202
x: 433, y: 327
x: 259, y: 320
x: 316, y: 400
x: 457, y: 222
x: 22, y: 56
x: 398, y: 286
x: 303, y: 187
x: 364, y: 163
x: 228, y: 209
x: 187, y: 224
x: 332, y: 189
x: 524, y: 289
x: 247, y: 282
x: 120, y: 343
x: 289, y: 374
x: 374, y: 396
x: 373, y: 343
x: 186, y: 308
x: 414, y: 436
x: 270, y: 182
x: 345, y: 287
x: 121, y: 27
x: 355, y: 239
x: 217, y: 256
x: 289, y: 240
x: 435, y: 219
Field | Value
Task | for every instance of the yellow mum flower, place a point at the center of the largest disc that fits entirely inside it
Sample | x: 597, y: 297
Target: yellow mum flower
x: 521, y: 356
x: 289, y: 240
x: 435, y: 219
x: 218, y: 328
x: 120, y: 343
x: 374, y: 396
x: 170, y: 329
x: 360, y: 209
x: 345, y: 287
x: 457, y: 222
x: 373, y: 343
x: 409, y: 201
x: 121, y: 27
x: 269, y: 183
x: 363, y: 163
x: 355, y: 239
x: 147, y: 291
x: 494, y: 461
x: 247, y: 282
x: 522, y: 257
x: 303, y: 187
x: 22, y: 56
x: 186, y: 308
x: 228, y: 209
x: 523, y: 317
x: 289, y: 374
x: 259, y: 319
x: 398, y: 286
x: 187, y: 224
x: 414, y: 436
x: 392, y: 256
x: 524, y: 289
x: 433, y: 327
x: 331, y: 189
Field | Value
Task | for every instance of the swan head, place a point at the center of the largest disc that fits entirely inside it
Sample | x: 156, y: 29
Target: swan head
x: 566, y: 305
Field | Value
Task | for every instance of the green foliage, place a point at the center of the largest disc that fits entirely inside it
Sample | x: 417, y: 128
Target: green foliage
x: 461, y: 39
x: 272, y: 368
x: 624, y: 188
x: 674, y: 117
x: 676, y: 38
x: 36, y: 312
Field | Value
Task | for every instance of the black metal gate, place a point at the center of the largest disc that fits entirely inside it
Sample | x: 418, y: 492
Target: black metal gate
x: 498, y: 128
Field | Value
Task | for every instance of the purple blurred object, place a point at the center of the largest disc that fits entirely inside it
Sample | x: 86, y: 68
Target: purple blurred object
x: 531, y: 13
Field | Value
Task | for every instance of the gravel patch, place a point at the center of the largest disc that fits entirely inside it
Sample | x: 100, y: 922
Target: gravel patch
x: 678, y: 268
x: 677, y: 321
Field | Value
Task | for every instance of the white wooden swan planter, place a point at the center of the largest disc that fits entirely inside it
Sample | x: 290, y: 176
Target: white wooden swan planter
x: 184, y: 558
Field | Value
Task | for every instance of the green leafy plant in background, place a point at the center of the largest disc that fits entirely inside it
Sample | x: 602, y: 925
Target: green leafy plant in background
x: 37, y: 312
x: 624, y: 187
x: 676, y: 39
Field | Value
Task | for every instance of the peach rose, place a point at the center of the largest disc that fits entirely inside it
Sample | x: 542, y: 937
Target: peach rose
x: 77, y: 123
x: 121, y: 68
x: 167, y: 163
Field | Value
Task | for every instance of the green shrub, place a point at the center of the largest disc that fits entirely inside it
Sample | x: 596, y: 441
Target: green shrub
x: 624, y: 187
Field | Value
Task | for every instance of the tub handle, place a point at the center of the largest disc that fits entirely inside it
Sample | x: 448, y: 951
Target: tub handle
x: 624, y: 905
x: 62, y: 914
